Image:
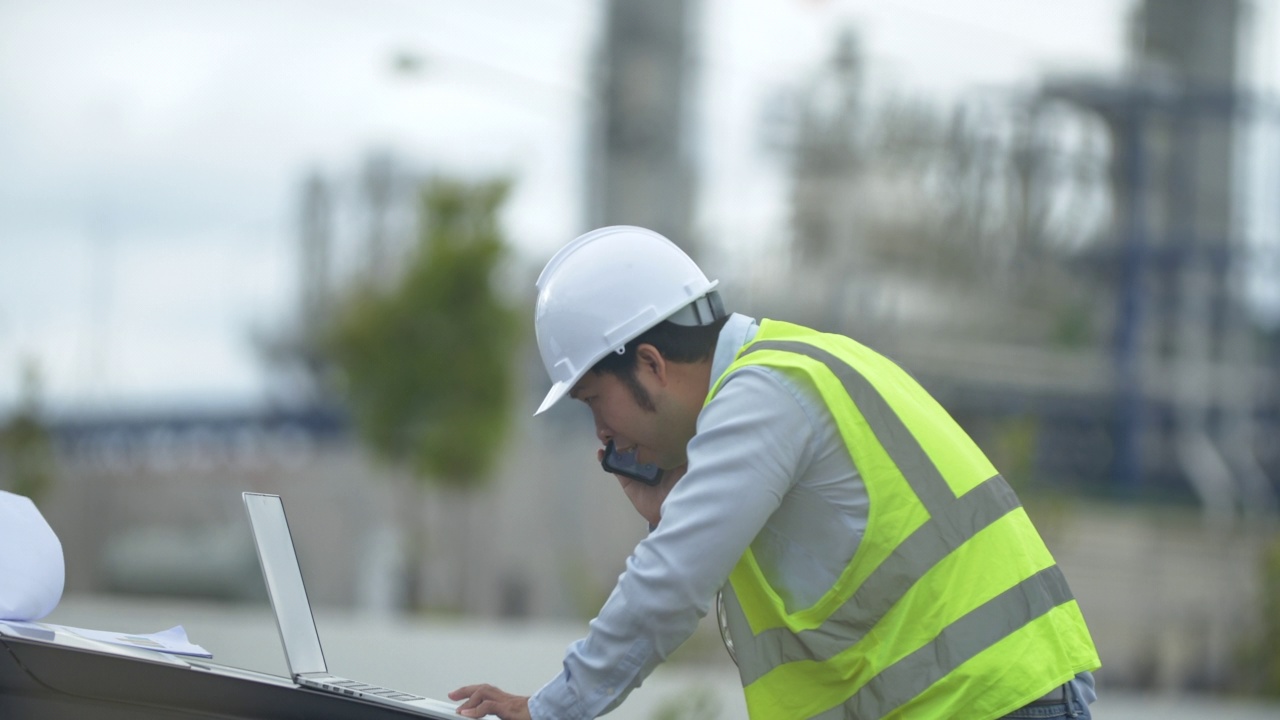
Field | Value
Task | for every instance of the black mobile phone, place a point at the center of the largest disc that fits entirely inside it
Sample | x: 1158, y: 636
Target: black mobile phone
x: 624, y: 463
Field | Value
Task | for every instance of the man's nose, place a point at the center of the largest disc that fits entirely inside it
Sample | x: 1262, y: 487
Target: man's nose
x: 603, y: 433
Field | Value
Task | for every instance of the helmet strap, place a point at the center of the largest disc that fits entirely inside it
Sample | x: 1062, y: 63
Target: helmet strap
x: 703, y: 311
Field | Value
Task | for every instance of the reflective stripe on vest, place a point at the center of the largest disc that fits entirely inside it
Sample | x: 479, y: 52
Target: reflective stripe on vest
x: 952, y: 522
x: 933, y: 541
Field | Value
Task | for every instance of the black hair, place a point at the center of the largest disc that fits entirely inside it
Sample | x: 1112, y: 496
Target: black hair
x: 676, y: 343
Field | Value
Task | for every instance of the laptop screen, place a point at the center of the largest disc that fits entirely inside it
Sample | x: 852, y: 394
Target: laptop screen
x: 284, y: 584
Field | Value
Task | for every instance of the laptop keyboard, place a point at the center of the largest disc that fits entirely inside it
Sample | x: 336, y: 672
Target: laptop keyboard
x: 351, y: 687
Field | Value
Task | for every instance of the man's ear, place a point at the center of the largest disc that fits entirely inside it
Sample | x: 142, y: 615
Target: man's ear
x: 649, y: 360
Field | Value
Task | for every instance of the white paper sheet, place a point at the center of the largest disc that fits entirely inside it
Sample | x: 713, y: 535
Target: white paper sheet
x: 32, y: 572
x: 174, y: 640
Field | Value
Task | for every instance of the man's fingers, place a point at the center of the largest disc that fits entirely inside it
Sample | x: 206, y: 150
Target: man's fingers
x: 484, y: 708
x: 481, y: 700
x: 472, y: 696
x: 465, y: 692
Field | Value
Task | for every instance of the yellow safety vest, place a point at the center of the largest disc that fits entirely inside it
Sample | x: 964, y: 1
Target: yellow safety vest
x: 952, y: 606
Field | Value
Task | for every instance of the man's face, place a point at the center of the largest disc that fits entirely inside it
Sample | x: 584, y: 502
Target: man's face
x: 618, y: 416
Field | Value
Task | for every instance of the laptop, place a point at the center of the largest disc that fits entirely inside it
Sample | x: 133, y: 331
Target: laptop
x: 297, y: 626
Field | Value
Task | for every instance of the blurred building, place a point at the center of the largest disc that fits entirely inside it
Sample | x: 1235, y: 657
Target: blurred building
x: 1068, y: 265
x: 1193, y: 394
x: 641, y: 167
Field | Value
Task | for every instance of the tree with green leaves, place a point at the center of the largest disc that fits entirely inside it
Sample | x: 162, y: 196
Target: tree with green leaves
x: 425, y: 364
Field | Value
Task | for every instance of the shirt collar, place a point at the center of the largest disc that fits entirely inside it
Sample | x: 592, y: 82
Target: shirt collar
x: 737, y: 331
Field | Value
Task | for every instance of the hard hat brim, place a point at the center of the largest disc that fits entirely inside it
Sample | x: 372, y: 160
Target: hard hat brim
x: 557, y: 392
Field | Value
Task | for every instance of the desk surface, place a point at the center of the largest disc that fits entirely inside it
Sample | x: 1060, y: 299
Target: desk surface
x: 40, y: 680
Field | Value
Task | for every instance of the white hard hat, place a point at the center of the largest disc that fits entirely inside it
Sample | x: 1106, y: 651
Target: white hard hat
x: 606, y: 288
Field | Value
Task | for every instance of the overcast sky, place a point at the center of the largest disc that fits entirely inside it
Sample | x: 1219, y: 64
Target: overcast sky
x: 150, y: 151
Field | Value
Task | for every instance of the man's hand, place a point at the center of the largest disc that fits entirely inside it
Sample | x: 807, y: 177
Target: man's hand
x: 481, y: 700
x: 647, y: 499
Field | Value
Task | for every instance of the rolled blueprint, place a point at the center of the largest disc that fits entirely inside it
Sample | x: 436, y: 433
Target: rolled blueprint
x: 31, y: 565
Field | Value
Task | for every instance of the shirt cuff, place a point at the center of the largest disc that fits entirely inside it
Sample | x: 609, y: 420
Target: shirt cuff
x: 556, y: 700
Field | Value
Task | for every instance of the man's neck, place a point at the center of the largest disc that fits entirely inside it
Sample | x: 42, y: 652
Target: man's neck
x: 690, y: 383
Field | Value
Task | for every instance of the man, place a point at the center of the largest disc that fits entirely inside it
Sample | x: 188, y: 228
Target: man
x: 866, y: 559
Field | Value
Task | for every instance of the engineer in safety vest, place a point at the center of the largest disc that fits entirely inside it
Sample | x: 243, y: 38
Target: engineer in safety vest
x: 864, y: 557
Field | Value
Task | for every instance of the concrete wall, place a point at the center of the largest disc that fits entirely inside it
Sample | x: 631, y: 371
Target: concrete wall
x: 547, y: 537
x: 1170, y: 599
